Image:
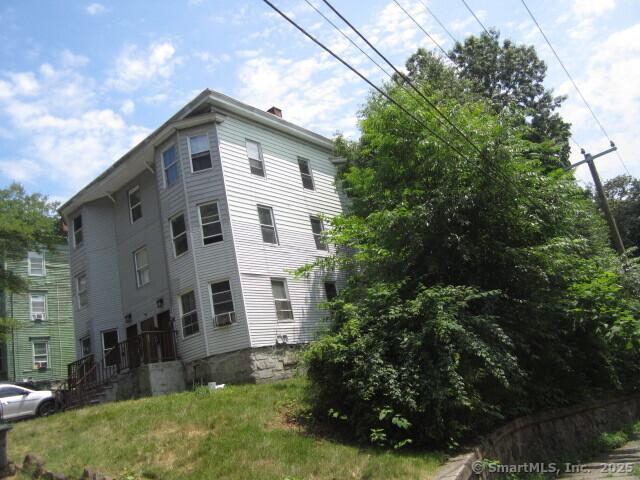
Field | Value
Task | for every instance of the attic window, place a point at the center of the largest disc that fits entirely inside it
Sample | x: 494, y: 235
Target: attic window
x: 200, y: 154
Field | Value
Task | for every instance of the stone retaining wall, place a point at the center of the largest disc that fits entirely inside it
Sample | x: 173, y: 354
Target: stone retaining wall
x: 545, y: 437
x: 250, y: 365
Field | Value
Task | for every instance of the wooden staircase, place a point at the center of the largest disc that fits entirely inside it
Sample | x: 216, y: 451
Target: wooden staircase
x: 88, y: 380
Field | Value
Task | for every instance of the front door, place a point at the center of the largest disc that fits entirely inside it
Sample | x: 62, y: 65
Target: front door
x: 149, y: 341
x: 133, y: 346
x: 166, y: 339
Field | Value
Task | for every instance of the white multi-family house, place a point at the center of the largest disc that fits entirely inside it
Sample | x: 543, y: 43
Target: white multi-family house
x: 184, y: 249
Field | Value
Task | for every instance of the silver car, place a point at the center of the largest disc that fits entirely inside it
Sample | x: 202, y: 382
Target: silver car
x: 19, y: 402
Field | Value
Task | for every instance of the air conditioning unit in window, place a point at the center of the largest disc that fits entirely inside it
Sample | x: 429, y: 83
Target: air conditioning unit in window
x: 38, y: 317
x: 223, y: 319
x: 40, y: 365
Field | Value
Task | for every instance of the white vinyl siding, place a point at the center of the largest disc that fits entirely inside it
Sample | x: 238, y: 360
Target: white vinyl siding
x: 267, y: 224
x: 82, y: 294
x: 40, y: 350
x: 189, y: 314
x: 36, y: 264
x: 222, y: 301
x: 281, y: 299
x: 199, y: 153
x: 141, y: 262
x: 135, y: 205
x: 170, y: 166
x: 256, y: 162
x: 38, y: 306
x: 179, y: 235
x: 210, y: 223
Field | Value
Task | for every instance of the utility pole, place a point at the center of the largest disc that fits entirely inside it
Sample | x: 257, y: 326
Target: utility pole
x: 613, y: 228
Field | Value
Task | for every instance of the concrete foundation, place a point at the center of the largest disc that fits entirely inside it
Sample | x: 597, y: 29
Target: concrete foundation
x: 148, y: 381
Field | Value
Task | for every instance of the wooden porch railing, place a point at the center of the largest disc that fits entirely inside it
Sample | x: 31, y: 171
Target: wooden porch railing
x: 86, y: 375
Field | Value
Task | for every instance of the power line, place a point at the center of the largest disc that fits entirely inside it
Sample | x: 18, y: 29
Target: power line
x: 575, y: 85
x: 426, y: 127
x: 476, y: 17
x: 420, y: 27
x: 347, y: 37
x: 439, y: 22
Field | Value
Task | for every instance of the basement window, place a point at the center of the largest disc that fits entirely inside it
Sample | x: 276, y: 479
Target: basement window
x: 200, y: 154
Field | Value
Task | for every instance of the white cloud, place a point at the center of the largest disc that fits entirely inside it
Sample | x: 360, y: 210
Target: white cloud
x: 70, y: 59
x: 592, y: 7
x: 135, y: 66
x: 95, y: 9
x: 128, y: 107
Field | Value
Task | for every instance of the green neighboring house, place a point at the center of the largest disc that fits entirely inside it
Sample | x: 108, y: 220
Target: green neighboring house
x: 42, y: 343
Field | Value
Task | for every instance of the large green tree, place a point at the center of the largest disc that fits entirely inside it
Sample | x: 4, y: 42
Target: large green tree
x: 28, y: 222
x: 511, y: 77
x: 481, y: 286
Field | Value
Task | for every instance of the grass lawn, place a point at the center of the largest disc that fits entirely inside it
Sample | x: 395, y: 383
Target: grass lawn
x: 239, y: 432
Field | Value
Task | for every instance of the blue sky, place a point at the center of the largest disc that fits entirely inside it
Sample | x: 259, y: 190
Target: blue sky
x: 81, y: 82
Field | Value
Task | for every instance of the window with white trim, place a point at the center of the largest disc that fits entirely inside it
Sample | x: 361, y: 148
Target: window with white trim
x: 85, y: 346
x: 110, y: 341
x: 38, y: 306
x: 170, y: 166
x: 179, y: 235
x: 222, y: 301
x: 200, y: 154
x: 281, y: 299
x: 40, y: 354
x: 189, y: 314
x: 317, y: 227
x: 141, y: 262
x: 267, y: 224
x: 305, y: 173
x: 77, y: 231
x: 256, y: 161
x: 82, y: 293
x: 210, y: 223
x: 135, y: 204
x: 36, y: 264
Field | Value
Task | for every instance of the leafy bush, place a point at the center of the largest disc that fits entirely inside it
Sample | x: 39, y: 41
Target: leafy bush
x: 481, y: 287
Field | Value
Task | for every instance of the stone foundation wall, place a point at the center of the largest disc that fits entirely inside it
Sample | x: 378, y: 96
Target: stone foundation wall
x: 547, y: 436
x: 250, y: 365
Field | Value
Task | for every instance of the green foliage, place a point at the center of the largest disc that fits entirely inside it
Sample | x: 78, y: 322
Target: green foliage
x: 27, y: 223
x: 623, y: 195
x: 480, y: 288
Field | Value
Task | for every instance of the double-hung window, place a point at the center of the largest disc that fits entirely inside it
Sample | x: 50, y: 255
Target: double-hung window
x: 317, y: 227
x: 281, y: 299
x: 200, y: 154
x: 170, y: 166
x: 38, y: 306
x: 141, y: 261
x: 256, y: 162
x: 110, y: 352
x: 77, y: 231
x: 189, y: 314
x: 85, y: 346
x: 82, y: 295
x: 135, y: 204
x: 305, y: 173
x: 40, y: 354
x: 179, y: 235
x: 210, y: 222
x: 330, y: 290
x: 222, y: 301
x: 36, y: 264
x: 267, y: 224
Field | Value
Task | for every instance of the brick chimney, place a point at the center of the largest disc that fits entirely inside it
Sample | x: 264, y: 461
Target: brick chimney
x: 275, y: 111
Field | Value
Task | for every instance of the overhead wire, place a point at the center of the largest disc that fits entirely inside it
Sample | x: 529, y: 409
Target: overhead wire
x: 423, y: 30
x: 575, y: 85
x: 476, y: 17
x: 453, y: 39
